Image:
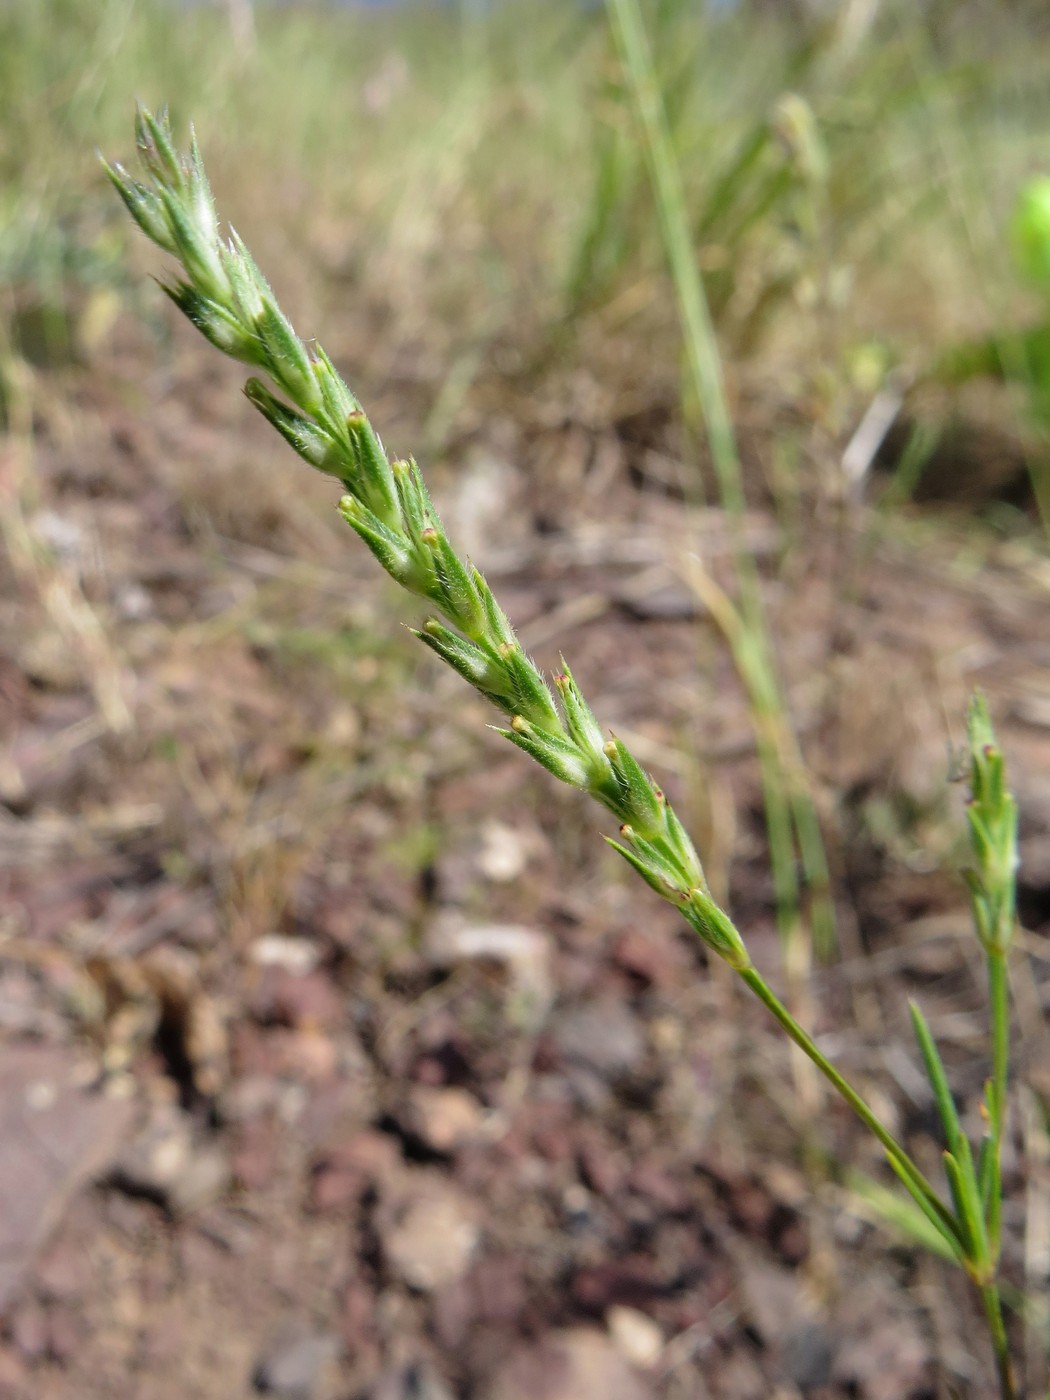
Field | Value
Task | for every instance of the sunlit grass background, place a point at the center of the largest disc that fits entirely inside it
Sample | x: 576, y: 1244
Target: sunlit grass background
x: 455, y: 201
x: 850, y: 192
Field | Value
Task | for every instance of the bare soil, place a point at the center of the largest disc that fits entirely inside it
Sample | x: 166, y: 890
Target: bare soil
x: 352, y: 1063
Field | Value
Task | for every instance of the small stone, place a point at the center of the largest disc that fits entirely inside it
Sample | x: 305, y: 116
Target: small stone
x: 808, y: 1351
x: 165, y: 1165
x: 579, y: 1363
x: 297, y: 1367
x: 296, y: 955
x: 300, y: 1001
x: 256, y: 1154
x: 669, y: 603
x: 651, y: 1180
x: 335, y: 1111
x: 655, y: 960
x: 49, y: 662
x: 29, y: 1331
x: 63, y: 535
x: 442, y: 1119
x: 203, y: 1181
x: 358, y: 1320
x: 66, y: 1331
x: 881, y: 1350
x: 52, y: 1139
x: 332, y: 1189
x: 418, y: 1381
x: 526, y: 953
x: 372, y: 1153
x: 307, y: 1055
x: 503, y: 853
x: 771, y: 1295
x: 156, y: 1157
x: 344, y: 1171
x: 499, y: 1287
x: 627, y: 1281
x: 12, y: 1371
x: 432, y: 1237
x: 601, y: 1165
x: 62, y: 1272
x: 132, y: 602
x: 252, y: 1096
x: 600, y: 1036
x: 636, y: 1336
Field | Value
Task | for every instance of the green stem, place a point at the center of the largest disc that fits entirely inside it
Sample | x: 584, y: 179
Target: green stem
x: 998, y: 992
x: 781, y: 846
x: 1003, y: 1367
x: 808, y: 1045
x: 999, y: 998
x: 701, y: 345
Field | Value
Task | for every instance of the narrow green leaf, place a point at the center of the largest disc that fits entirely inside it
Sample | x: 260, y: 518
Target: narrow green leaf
x: 951, y: 1232
x: 905, y: 1214
x: 966, y: 1198
x: 987, y: 1173
x: 975, y: 1209
x: 938, y: 1079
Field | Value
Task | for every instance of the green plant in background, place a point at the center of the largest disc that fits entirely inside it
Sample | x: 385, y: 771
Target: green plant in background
x: 791, y: 817
x: 1031, y: 231
x: 387, y: 504
x: 755, y: 211
x: 1020, y: 357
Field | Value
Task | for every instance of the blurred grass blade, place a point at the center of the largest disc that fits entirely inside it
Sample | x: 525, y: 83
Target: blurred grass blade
x: 794, y: 828
x: 937, y: 1078
x: 966, y: 1195
x: 910, y: 1216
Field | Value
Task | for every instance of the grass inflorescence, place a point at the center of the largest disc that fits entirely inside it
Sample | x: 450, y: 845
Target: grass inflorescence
x: 386, y: 502
x: 388, y: 506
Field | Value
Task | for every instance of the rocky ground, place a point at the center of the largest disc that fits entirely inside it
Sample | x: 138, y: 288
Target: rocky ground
x: 340, y: 1057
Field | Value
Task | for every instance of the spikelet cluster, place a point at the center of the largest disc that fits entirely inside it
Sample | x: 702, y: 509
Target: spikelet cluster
x: 387, y: 504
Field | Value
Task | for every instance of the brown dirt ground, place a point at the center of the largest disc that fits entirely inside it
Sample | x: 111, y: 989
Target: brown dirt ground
x: 427, y: 1097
